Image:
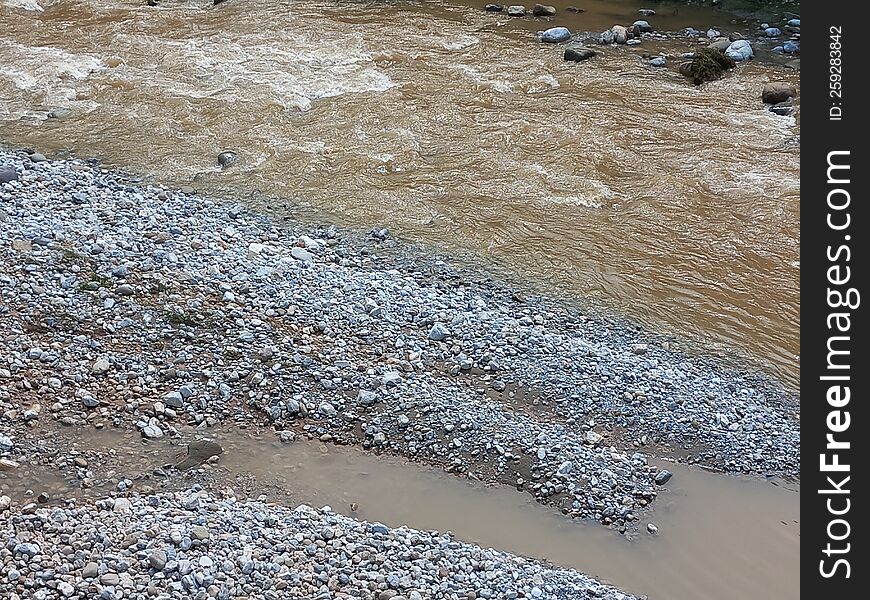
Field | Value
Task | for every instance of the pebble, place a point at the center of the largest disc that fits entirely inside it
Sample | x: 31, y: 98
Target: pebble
x: 157, y: 559
x: 663, y: 476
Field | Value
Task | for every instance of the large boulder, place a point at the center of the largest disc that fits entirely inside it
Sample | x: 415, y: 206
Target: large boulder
x: 709, y: 64
x: 739, y: 50
x: 777, y: 91
x: 578, y: 53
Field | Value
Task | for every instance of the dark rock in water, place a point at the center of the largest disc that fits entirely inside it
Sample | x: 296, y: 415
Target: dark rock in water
x: 516, y: 11
x: 647, y: 12
x: 574, y: 9
x: 151, y: 2
x: 8, y: 174
x: 663, y: 476
x: 734, y: 36
x: 216, y: 2
x: 777, y: 92
x: 708, y: 65
x: 494, y: 7
x: 227, y: 158
x: 197, y: 453
x: 543, y: 10
x: 643, y: 26
x: 555, y: 35
x: 784, y: 109
x: 578, y: 53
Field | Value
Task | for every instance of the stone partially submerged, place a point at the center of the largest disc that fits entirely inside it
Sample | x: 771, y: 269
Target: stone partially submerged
x: 709, y: 64
x: 555, y: 35
x: 578, y: 53
x: 198, y: 452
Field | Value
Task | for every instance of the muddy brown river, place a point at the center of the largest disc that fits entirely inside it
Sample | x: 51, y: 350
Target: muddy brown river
x: 608, y: 181
x: 720, y: 537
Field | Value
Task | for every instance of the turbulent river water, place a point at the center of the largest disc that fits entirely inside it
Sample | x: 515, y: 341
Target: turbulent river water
x: 607, y: 180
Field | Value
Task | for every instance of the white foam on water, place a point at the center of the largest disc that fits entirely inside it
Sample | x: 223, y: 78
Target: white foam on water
x: 460, y: 42
x: 31, y: 5
x: 294, y: 70
x: 499, y: 85
x: 542, y: 83
x: 50, y: 75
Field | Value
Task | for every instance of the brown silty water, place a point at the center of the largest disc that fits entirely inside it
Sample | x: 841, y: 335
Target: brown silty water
x: 608, y: 180
x: 720, y: 537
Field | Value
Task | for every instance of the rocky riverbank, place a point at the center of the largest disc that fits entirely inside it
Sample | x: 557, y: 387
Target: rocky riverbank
x: 195, y: 545
x: 142, y: 308
x: 135, y: 306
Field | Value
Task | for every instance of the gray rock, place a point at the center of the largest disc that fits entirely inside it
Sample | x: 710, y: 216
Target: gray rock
x: 777, y: 91
x: 555, y: 35
x: 227, y: 158
x: 198, y: 452
x: 439, y: 332
x: 494, y: 7
x: 90, y: 570
x: 366, y: 398
x: 578, y: 53
x: 392, y: 378
x: 663, y: 476
x: 620, y: 34
x: 8, y: 174
x: 302, y: 254
x: 516, y: 11
x: 642, y: 26
x: 739, y: 51
x: 125, y: 289
x: 543, y: 10
x: 152, y: 432
x: 157, y: 559
x: 173, y: 399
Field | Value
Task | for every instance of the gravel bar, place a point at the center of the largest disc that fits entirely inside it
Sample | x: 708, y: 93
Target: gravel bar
x: 135, y: 306
x: 193, y: 545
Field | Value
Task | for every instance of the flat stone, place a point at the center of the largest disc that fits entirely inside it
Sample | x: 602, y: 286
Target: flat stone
x: 90, y: 570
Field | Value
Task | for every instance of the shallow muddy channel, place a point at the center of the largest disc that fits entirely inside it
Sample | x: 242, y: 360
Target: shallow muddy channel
x: 719, y: 536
